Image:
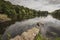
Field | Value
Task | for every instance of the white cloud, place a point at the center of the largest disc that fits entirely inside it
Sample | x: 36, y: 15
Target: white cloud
x: 46, y: 5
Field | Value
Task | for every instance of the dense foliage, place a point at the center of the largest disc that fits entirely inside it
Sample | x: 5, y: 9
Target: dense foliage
x: 56, y: 14
x: 17, y: 12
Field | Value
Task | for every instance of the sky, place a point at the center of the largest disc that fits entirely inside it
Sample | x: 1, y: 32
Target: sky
x: 43, y: 5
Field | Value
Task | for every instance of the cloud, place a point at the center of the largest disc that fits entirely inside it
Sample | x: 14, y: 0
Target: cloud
x: 54, y: 1
x: 45, y: 5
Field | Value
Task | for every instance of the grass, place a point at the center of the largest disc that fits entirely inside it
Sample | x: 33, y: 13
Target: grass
x: 38, y: 37
x: 57, y: 38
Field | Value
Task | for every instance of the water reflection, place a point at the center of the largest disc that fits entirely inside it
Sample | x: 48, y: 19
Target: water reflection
x: 50, y: 25
x: 51, y: 19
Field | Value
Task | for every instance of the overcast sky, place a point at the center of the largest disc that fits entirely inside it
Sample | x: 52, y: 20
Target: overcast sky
x: 45, y: 5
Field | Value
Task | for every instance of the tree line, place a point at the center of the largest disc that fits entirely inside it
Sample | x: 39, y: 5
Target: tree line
x: 16, y: 12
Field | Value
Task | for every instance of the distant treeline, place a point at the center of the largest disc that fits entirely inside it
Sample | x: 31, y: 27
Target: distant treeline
x: 56, y: 14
